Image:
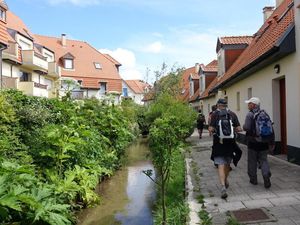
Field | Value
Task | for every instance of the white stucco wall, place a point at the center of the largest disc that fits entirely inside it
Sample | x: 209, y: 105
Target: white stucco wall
x: 207, y: 103
x: 265, y: 85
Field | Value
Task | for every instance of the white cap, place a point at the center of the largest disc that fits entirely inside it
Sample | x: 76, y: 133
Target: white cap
x: 253, y: 100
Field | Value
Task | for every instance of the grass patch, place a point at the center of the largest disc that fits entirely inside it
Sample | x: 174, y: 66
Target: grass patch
x: 200, y: 199
x: 205, y: 218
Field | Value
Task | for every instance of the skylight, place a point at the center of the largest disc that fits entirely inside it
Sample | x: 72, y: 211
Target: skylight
x: 97, y: 65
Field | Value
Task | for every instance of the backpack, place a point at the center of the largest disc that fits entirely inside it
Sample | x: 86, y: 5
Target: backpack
x: 200, y: 119
x: 263, y: 126
x: 224, y: 125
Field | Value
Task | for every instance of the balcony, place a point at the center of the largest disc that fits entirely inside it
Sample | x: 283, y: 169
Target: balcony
x: 54, y: 70
x: 9, y: 82
x: 33, y: 89
x: 12, y: 53
x: 34, y: 61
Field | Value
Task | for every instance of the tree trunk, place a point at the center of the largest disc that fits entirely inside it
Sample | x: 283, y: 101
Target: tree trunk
x: 163, y: 203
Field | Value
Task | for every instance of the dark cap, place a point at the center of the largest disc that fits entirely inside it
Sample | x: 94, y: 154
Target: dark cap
x: 222, y: 101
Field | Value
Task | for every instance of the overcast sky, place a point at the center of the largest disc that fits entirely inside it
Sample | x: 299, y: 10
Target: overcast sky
x: 143, y: 34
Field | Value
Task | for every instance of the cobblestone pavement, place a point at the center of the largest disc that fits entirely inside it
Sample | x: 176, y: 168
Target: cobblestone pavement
x: 282, y: 200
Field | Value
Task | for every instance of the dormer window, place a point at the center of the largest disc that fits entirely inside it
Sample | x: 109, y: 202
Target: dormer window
x: 221, y: 62
x: 2, y: 14
x: 97, y: 66
x: 69, y: 64
x: 68, y: 61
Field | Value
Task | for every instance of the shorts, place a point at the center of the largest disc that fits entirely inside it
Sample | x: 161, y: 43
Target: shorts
x: 221, y: 160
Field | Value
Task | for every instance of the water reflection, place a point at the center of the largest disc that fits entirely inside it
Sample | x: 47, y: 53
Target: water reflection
x: 126, y: 198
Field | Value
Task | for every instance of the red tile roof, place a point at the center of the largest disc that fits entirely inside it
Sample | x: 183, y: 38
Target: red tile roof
x: 3, y: 33
x: 265, y: 39
x: 210, y: 67
x: 195, y: 96
x: 186, y: 83
x: 113, y: 60
x: 14, y: 22
x: 137, y: 86
x: 84, y: 58
x: 233, y: 40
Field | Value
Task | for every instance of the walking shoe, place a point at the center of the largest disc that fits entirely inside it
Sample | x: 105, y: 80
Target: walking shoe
x: 267, y: 182
x: 253, y: 181
x: 224, y: 193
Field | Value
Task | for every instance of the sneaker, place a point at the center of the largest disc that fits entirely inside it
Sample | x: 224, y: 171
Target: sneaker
x: 224, y: 193
x: 267, y: 182
x: 253, y: 181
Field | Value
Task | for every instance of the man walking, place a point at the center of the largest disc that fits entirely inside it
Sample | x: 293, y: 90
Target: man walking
x: 223, y: 124
x: 200, y: 123
x: 260, y: 136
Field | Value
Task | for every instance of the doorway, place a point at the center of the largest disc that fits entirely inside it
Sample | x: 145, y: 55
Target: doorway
x: 282, y: 106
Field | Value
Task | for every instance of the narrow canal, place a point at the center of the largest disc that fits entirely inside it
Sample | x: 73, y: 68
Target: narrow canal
x: 126, y: 198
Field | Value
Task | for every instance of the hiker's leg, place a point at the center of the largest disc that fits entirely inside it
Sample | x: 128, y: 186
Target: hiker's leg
x: 252, y: 165
x: 265, y: 169
x: 263, y: 161
x: 222, y: 174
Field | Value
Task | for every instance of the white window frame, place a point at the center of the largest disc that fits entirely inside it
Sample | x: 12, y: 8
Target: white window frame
x: 97, y: 65
x: 2, y: 14
x: 249, y: 92
x: 69, y: 66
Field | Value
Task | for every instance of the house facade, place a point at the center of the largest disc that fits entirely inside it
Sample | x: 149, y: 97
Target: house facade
x: 27, y: 65
x: 94, y: 74
x: 135, y: 90
x: 269, y: 69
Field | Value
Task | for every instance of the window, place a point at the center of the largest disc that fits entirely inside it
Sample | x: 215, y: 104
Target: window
x: 221, y: 62
x: 49, y: 57
x: 25, y: 45
x: 125, y: 92
x: 79, y: 82
x: 202, y: 83
x: 24, y: 76
x: 69, y: 64
x: 102, y: 87
x: 97, y: 65
x: 2, y: 14
x: 249, y: 93
x: 191, y: 87
x: 238, y: 101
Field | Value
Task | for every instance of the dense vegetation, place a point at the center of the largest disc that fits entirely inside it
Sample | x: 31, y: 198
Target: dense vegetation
x: 170, y: 121
x: 53, y: 153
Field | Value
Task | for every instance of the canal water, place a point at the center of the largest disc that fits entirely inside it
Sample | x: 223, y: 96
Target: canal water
x: 128, y: 196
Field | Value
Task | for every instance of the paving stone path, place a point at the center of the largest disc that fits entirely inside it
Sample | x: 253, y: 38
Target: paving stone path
x: 282, y: 200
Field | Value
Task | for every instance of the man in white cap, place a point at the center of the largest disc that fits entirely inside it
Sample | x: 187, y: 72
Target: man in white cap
x: 258, y: 147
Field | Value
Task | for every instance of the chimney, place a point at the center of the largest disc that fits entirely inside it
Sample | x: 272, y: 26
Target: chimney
x: 278, y: 2
x: 63, y: 40
x: 267, y: 11
x: 197, y: 68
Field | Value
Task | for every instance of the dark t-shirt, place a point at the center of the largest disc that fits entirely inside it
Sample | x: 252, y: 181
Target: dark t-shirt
x: 228, y: 146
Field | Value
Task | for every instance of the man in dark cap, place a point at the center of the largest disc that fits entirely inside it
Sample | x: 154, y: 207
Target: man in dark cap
x: 224, y: 123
